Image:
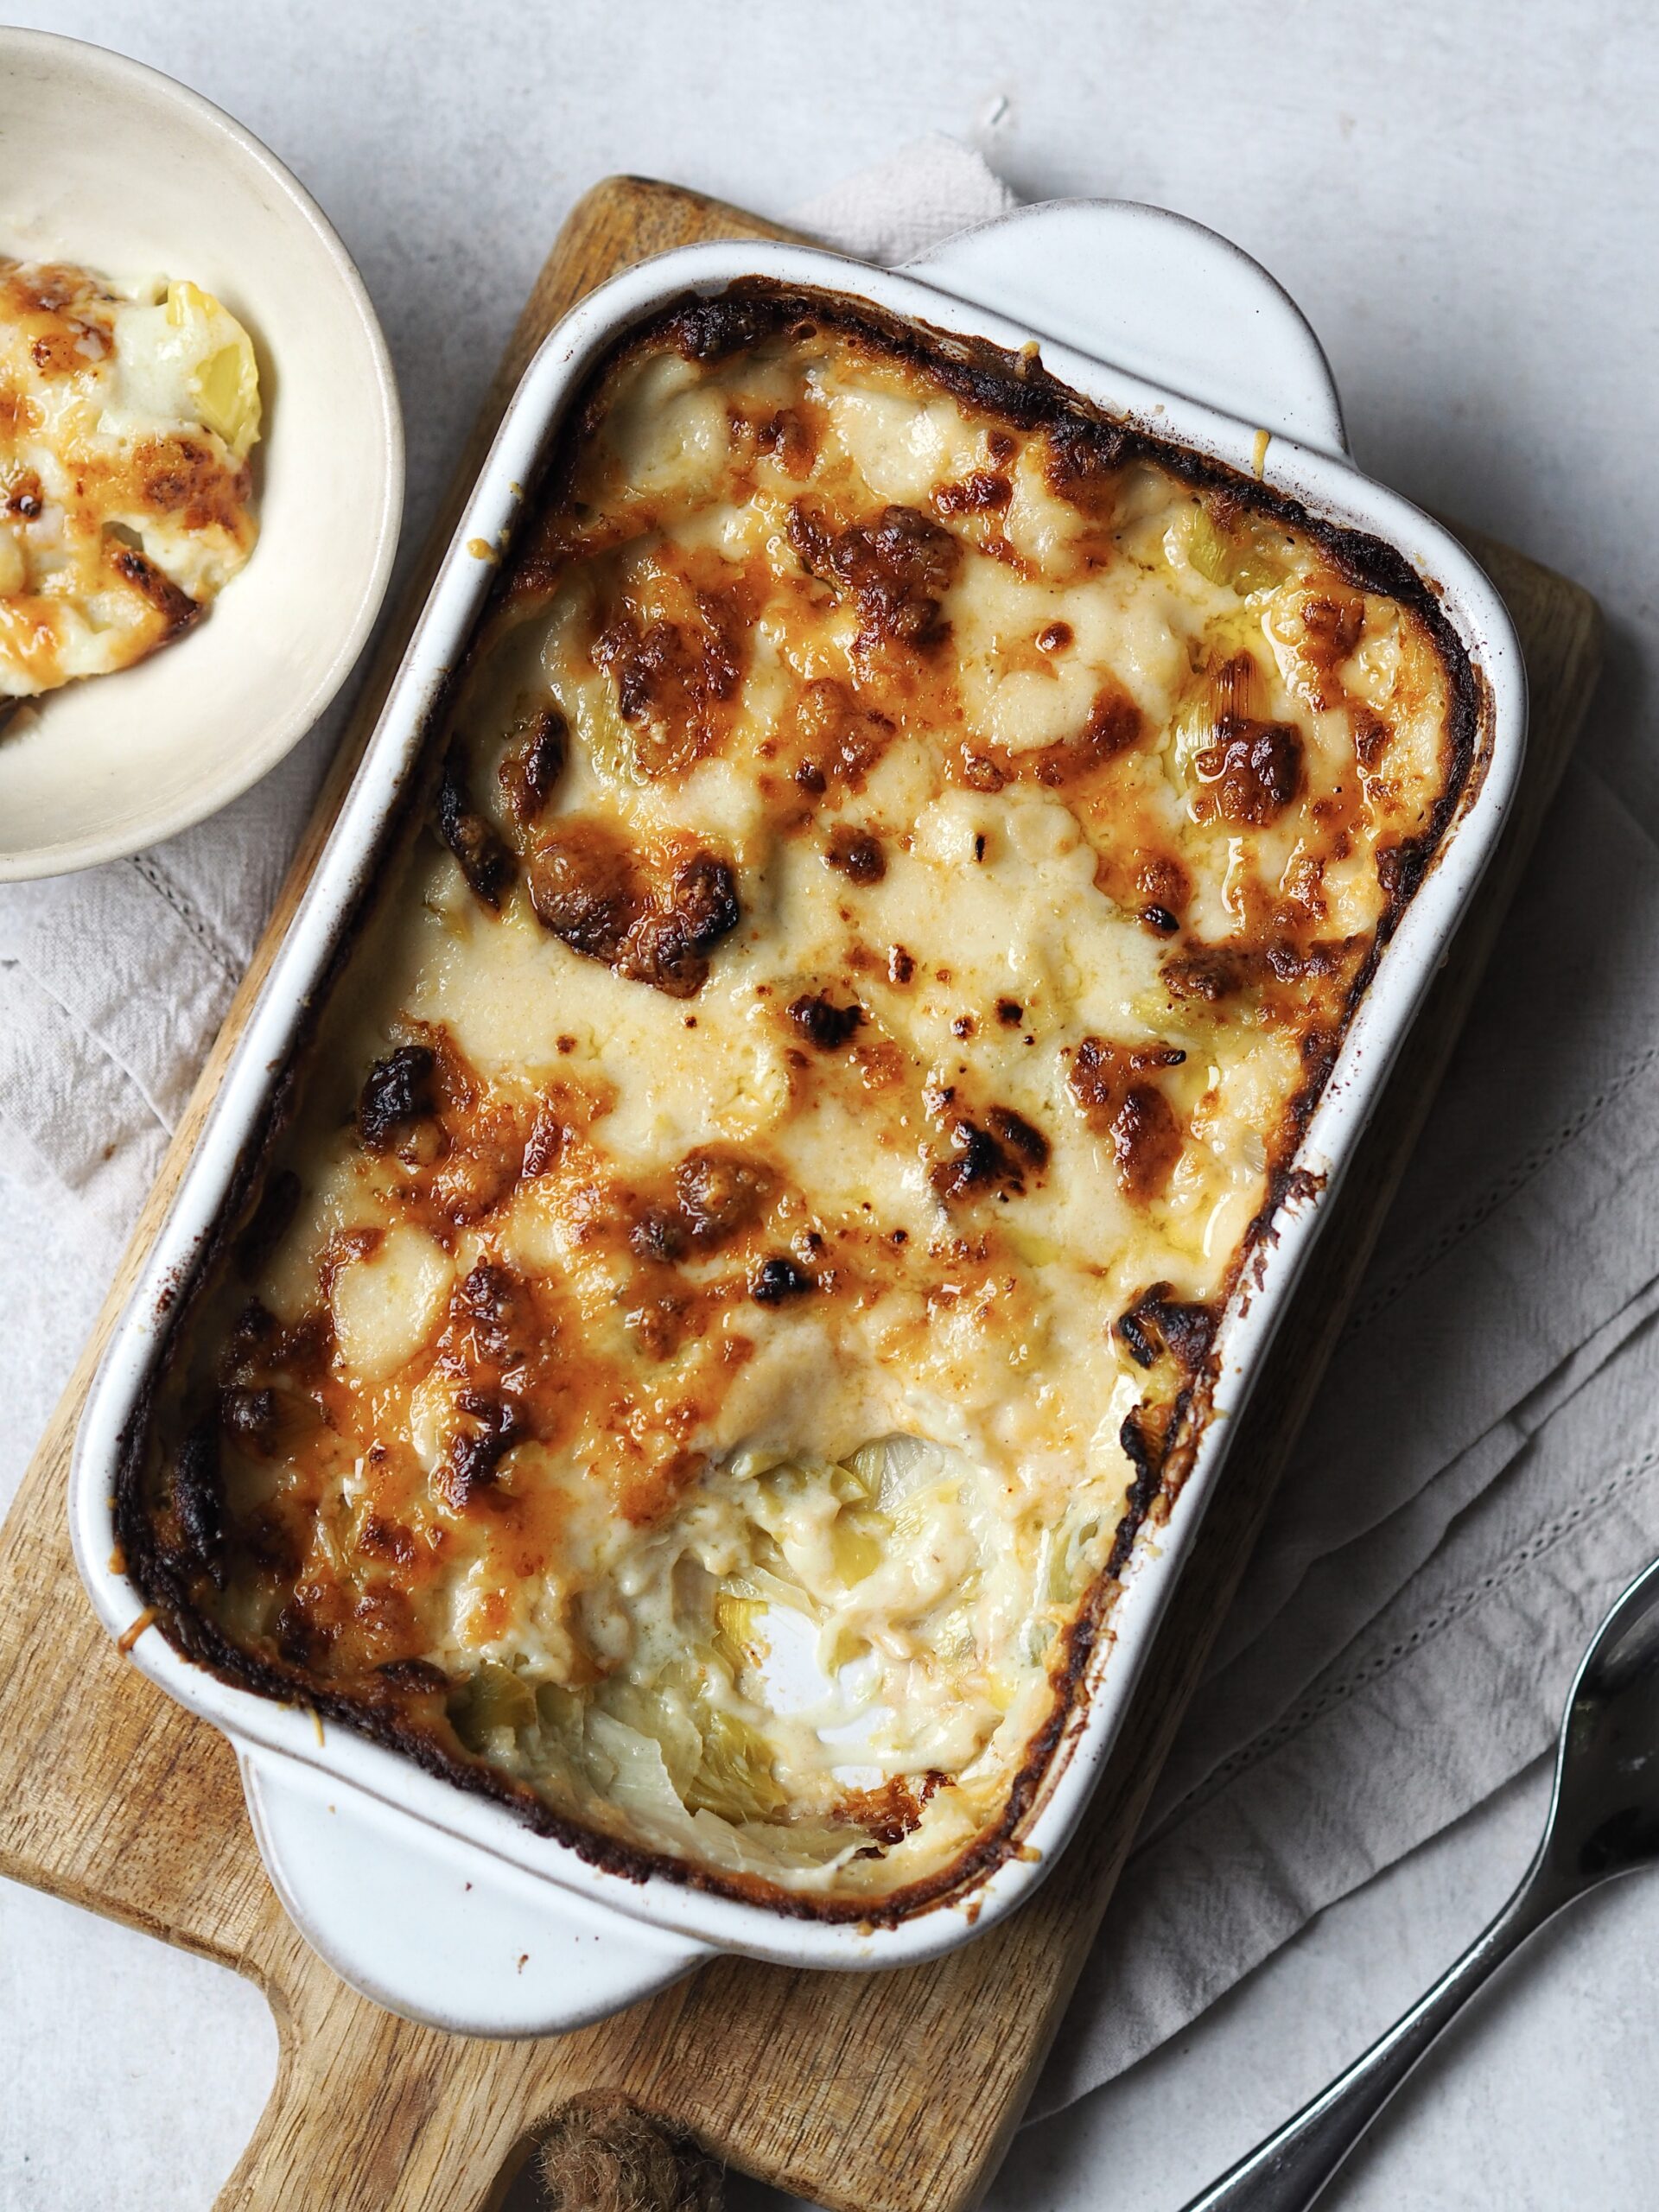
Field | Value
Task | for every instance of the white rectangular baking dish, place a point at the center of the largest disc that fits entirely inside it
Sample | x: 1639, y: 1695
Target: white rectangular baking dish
x: 1154, y: 319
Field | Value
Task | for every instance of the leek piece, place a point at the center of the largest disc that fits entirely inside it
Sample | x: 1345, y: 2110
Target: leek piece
x: 492, y: 1698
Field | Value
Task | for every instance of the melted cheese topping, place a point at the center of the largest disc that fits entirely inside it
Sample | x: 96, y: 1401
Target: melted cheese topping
x: 747, y: 1253
x: 125, y: 426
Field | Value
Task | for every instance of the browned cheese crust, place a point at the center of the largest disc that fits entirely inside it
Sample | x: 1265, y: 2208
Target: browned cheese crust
x: 126, y: 487
x: 890, y: 882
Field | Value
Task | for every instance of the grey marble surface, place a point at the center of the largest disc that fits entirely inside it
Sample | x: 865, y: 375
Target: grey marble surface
x: 1464, y: 199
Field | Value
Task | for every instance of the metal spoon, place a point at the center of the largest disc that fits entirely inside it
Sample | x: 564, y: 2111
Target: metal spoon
x: 1604, y: 1819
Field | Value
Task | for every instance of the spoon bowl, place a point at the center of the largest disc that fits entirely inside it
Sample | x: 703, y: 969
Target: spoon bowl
x: 1604, y: 1819
x: 1604, y: 1815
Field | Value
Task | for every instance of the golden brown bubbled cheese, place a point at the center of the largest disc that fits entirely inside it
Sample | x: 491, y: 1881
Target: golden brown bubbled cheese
x: 125, y: 427
x: 746, y: 1258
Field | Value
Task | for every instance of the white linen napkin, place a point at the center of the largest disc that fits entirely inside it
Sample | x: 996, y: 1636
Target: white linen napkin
x: 1476, y: 1479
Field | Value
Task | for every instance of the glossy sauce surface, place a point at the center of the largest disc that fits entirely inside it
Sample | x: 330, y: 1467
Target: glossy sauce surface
x: 746, y: 1257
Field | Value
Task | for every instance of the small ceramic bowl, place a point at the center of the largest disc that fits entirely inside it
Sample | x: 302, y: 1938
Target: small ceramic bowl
x: 114, y: 166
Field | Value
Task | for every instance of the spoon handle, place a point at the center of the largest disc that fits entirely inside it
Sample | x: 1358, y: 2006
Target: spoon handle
x: 1289, y: 2171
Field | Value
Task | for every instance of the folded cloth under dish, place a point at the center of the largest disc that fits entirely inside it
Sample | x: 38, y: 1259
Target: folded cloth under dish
x: 1476, y: 1479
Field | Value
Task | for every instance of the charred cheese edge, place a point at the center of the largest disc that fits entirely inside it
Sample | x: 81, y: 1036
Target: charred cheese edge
x: 745, y: 1259
x: 125, y: 487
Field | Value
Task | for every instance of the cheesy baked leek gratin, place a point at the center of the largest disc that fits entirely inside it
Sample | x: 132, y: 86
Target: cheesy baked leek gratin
x: 738, y: 1258
x: 125, y: 489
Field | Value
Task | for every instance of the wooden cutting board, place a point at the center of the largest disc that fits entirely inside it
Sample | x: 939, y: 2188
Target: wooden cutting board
x: 881, y: 2092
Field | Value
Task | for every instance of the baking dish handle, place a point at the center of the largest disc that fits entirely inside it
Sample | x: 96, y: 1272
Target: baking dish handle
x: 1159, y: 295
x: 449, y: 1937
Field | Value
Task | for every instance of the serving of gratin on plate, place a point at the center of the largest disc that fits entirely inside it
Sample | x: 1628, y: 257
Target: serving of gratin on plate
x: 737, y: 1257
x: 127, y: 422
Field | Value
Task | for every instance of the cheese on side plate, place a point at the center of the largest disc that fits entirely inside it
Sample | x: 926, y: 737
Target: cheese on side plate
x: 126, y: 491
